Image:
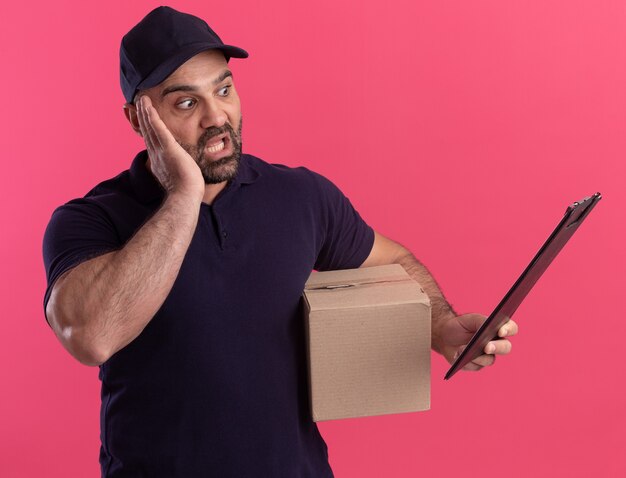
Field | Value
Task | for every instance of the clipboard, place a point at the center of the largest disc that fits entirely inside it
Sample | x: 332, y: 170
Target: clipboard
x: 574, y: 216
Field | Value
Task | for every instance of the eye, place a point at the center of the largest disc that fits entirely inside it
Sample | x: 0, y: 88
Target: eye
x: 186, y: 104
x: 224, y: 90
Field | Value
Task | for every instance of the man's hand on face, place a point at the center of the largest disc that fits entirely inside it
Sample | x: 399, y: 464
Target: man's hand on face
x: 173, y: 167
x: 457, y: 332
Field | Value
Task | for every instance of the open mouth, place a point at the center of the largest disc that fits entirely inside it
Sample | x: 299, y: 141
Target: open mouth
x: 214, y: 148
x: 221, y: 144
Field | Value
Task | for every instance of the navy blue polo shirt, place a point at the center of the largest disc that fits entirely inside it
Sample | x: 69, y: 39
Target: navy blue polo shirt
x: 216, y: 384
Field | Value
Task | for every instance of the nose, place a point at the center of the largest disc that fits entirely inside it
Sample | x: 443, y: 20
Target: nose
x: 212, y: 115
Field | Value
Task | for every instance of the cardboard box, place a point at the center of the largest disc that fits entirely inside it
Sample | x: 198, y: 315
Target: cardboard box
x: 368, y: 339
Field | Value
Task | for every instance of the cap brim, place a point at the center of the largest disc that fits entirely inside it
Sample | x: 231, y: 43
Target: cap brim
x: 165, y: 69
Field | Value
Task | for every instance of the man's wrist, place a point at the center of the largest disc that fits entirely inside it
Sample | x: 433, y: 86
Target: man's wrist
x: 437, y: 325
x: 185, y: 196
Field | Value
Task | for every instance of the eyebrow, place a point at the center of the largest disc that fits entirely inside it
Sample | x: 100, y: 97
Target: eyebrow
x: 182, y: 87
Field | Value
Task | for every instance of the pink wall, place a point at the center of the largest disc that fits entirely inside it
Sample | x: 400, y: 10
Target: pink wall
x: 461, y: 129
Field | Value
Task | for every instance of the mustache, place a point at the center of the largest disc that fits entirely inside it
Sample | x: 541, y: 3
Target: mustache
x: 214, y: 131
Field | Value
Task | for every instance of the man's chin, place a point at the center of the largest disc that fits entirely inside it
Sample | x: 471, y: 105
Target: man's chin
x: 224, y: 169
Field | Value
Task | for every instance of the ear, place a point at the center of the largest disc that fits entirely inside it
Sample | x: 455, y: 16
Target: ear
x: 130, y: 111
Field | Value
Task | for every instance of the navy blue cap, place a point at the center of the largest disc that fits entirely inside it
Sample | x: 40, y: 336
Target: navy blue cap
x: 165, y: 39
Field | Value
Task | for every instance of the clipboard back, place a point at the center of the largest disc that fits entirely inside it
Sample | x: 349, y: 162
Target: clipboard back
x: 574, y: 216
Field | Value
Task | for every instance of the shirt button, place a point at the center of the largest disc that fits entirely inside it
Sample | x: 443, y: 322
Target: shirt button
x: 225, y: 234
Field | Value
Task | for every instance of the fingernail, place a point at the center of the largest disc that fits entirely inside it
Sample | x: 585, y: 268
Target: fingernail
x: 491, y: 348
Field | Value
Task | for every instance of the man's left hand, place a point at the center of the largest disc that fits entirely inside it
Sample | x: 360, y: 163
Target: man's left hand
x: 455, y: 333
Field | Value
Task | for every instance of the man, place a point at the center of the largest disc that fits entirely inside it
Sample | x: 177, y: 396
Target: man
x: 181, y: 277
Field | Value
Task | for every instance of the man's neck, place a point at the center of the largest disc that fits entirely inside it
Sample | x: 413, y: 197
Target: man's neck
x: 211, y: 191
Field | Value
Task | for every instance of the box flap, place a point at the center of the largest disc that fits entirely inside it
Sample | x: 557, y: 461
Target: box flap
x: 349, y: 277
x: 364, y: 287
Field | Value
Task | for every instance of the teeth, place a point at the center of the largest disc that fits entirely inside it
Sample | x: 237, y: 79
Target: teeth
x: 218, y: 147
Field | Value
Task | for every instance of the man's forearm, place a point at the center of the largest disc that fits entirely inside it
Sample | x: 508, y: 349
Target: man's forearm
x: 107, y: 301
x: 441, y: 310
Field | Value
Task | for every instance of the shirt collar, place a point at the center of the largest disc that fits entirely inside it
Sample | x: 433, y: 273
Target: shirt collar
x: 246, y: 173
x: 148, y: 189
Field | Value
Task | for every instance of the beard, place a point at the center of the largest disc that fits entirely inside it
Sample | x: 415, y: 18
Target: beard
x: 223, y: 169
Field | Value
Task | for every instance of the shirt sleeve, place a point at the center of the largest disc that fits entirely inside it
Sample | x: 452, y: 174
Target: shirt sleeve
x: 77, y: 231
x: 347, y: 239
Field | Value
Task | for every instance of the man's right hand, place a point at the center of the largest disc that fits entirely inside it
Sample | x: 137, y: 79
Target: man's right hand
x: 102, y: 304
x: 173, y: 167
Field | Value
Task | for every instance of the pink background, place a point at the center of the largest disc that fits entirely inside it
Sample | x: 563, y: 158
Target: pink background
x: 461, y: 129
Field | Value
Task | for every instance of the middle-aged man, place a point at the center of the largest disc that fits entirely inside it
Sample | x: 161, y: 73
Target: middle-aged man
x: 181, y: 277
